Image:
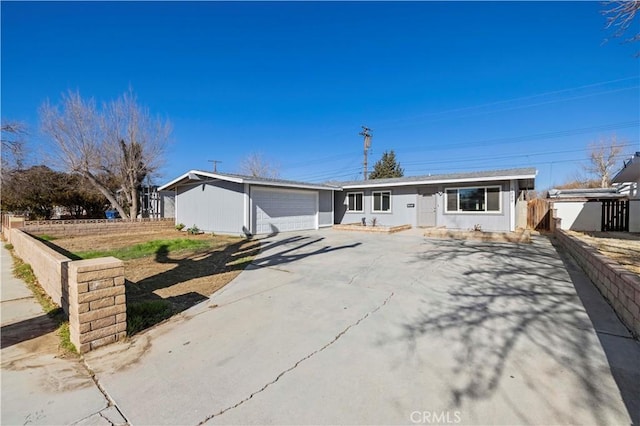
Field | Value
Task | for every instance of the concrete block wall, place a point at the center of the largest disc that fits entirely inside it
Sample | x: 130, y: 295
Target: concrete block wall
x: 97, y: 302
x: 91, y: 292
x: 9, y: 222
x: 618, y: 285
x: 47, y: 264
x: 70, y: 228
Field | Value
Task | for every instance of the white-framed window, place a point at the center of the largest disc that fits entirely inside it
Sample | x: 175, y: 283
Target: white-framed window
x: 381, y: 201
x: 481, y: 199
x: 355, y: 202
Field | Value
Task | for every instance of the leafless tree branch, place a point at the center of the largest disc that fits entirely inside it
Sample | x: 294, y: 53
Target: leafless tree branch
x: 120, y: 143
x: 13, y: 144
x: 603, y: 159
x: 255, y: 164
x: 620, y: 16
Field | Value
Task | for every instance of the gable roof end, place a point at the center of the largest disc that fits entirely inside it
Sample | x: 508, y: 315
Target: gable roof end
x: 199, y: 176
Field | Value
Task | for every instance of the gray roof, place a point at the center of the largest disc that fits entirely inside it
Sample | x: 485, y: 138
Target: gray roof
x: 586, y: 193
x: 199, y: 175
x: 276, y: 182
x: 630, y: 171
x: 491, y: 175
x: 521, y: 173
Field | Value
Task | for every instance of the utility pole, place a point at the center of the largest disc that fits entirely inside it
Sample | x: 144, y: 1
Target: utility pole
x: 367, y: 144
x: 215, y: 165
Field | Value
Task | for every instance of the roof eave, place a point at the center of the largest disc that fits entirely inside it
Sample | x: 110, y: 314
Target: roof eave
x: 292, y: 185
x: 370, y: 184
x: 177, y: 181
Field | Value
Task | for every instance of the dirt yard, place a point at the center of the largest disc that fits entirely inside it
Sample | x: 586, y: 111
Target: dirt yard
x: 182, y: 278
x: 623, y: 247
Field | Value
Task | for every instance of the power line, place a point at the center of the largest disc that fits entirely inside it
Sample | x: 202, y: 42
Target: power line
x: 496, y: 141
x: 503, y: 157
x: 504, y: 109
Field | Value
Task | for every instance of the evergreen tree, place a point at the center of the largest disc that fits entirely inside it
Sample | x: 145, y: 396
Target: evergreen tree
x: 387, y: 167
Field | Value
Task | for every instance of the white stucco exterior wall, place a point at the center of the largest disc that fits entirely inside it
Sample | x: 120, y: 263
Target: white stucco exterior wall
x: 634, y: 215
x: 579, y: 215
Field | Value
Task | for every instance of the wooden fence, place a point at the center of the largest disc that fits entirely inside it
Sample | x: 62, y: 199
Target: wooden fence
x: 539, y: 215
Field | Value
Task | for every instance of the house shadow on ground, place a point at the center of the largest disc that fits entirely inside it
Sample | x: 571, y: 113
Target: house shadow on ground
x: 513, y: 297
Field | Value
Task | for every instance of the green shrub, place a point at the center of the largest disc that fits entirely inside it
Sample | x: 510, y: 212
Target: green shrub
x: 194, y: 230
x: 180, y: 226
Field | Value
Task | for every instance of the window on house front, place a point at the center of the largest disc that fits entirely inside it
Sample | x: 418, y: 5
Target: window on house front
x: 480, y: 199
x: 381, y: 201
x: 355, y: 201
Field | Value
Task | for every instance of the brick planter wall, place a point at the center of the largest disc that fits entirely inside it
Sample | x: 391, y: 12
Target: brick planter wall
x: 97, y: 303
x: 618, y: 285
x: 45, y: 262
x: 69, y: 228
x: 91, y: 292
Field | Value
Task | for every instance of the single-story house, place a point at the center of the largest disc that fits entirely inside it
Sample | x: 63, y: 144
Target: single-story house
x: 494, y: 200
x: 236, y: 204
x: 602, y: 209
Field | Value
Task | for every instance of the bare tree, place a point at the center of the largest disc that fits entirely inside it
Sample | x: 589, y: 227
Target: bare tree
x: 13, y: 144
x: 136, y: 147
x: 620, y: 16
x: 603, y: 158
x: 256, y: 165
x: 119, y: 143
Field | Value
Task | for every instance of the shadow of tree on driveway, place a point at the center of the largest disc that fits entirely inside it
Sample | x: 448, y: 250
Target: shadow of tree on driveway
x: 512, y: 297
x: 193, y: 277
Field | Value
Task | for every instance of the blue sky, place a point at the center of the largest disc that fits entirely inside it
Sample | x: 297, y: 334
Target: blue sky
x: 450, y: 86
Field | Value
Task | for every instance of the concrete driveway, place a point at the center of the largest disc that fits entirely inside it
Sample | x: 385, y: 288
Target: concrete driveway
x: 347, y: 328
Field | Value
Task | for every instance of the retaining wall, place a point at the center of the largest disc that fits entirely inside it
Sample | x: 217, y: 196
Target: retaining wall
x: 69, y: 228
x: 46, y: 263
x: 91, y: 292
x: 618, y: 285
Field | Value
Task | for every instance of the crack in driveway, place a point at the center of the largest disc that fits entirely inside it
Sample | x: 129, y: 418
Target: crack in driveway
x: 335, y: 339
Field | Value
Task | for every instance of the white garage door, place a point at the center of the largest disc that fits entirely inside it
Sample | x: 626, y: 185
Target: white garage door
x: 279, y: 210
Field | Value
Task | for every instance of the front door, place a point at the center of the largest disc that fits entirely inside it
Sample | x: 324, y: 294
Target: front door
x: 426, y: 210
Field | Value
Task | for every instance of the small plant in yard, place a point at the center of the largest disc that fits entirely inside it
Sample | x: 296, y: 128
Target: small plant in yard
x: 194, y: 230
x: 180, y: 226
x: 477, y: 228
x: 65, y: 338
x: 8, y: 246
x: 46, y: 237
x: 374, y: 221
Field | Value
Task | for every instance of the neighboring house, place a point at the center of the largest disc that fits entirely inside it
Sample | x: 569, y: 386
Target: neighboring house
x: 602, y: 209
x: 582, y: 209
x: 235, y: 204
x: 156, y: 204
x: 627, y: 181
x: 494, y: 200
